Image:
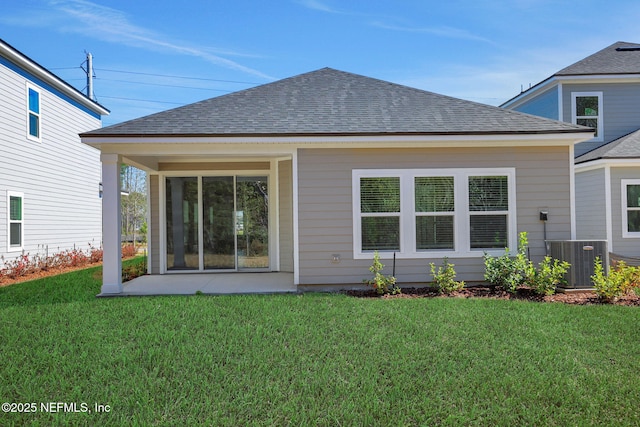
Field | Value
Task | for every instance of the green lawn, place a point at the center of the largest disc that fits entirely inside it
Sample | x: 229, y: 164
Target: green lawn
x: 313, y: 359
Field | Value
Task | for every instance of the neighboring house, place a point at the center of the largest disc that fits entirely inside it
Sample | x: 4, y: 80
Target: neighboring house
x: 312, y: 173
x: 49, y: 180
x: 601, y: 91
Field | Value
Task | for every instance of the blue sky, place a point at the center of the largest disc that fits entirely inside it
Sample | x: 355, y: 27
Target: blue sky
x: 151, y: 56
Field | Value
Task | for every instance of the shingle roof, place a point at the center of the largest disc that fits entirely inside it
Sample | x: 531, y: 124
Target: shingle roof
x: 332, y: 102
x: 619, y: 58
x: 625, y: 147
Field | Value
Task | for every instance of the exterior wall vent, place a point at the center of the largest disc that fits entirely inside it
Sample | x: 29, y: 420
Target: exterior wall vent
x: 581, y: 254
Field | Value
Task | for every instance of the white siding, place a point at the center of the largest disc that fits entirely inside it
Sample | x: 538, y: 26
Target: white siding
x: 59, y: 176
x: 591, y: 205
x: 325, y: 205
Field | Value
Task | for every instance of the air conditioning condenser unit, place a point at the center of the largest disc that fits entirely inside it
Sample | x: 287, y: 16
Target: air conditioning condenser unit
x: 581, y: 254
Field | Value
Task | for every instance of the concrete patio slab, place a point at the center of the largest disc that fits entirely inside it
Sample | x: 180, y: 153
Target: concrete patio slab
x: 208, y: 283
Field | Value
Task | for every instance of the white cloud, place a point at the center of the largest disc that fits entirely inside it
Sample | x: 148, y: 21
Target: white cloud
x: 112, y: 25
x: 317, y: 5
x: 441, y: 31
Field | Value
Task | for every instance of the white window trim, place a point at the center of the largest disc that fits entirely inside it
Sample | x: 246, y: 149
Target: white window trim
x: 39, y: 114
x: 9, y: 222
x: 462, y: 244
x: 599, y: 117
x: 623, y: 196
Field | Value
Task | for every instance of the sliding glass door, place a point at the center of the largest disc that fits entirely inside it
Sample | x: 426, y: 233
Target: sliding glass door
x: 182, y: 223
x: 218, y: 218
x: 217, y: 223
x: 252, y: 222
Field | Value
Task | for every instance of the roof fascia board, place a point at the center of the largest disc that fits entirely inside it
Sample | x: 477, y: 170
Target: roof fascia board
x: 600, y: 78
x: 555, y: 80
x: 534, y: 139
x: 601, y: 163
x: 530, y: 93
x: 38, y: 71
x: 271, y: 145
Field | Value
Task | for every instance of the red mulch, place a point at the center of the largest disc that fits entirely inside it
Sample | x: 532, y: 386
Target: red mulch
x: 570, y: 297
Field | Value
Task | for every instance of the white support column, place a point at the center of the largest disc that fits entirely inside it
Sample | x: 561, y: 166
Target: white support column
x: 112, y: 256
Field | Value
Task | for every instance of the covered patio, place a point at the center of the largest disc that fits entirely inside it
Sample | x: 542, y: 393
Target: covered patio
x: 210, y: 284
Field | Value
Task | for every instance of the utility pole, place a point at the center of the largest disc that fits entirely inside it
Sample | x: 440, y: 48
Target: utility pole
x: 89, y: 71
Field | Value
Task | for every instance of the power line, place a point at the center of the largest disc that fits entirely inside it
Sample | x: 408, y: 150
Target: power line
x: 142, y: 100
x: 161, y: 75
x: 176, y: 77
x: 163, y: 85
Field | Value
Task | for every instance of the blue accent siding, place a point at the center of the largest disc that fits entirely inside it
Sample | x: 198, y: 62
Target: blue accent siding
x: 543, y: 105
x: 48, y: 87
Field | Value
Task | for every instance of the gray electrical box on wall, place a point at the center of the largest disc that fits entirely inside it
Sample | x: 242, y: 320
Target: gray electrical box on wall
x: 581, y: 254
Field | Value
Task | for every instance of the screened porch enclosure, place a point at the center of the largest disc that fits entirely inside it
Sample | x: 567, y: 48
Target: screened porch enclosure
x: 217, y: 223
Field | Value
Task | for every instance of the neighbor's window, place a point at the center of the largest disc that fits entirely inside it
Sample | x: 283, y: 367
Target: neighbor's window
x: 418, y: 213
x: 586, y: 110
x: 380, y: 213
x: 631, y: 207
x: 33, y: 113
x: 16, y: 221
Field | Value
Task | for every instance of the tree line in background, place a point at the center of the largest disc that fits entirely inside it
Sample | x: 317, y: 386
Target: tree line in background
x: 133, y: 204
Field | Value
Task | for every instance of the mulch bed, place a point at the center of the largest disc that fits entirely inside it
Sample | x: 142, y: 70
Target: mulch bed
x: 585, y: 297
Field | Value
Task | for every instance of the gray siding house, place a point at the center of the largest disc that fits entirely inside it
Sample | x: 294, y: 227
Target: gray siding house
x: 311, y: 174
x: 49, y: 180
x: 601, y: 91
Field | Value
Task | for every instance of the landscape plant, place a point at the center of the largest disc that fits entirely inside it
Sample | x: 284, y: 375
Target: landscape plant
x: 620, y: 280
x: 379, y: 282
x: 26, y: 264
x: 550, y: 273
x: 510, y: 272
x: 444, y: 277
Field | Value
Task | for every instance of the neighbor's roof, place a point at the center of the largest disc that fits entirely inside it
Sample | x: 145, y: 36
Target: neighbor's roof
x: 332, y: 102
x: 625, y: 147
x: 619, y: 58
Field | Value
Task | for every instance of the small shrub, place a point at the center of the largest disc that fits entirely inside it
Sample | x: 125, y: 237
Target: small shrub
x: 509, y: 272
x: 621, y: 280
x: 129, y: 250
x: 381, y: 283
x: 95, y: 254
x: 444, y: 277
x: 548, y: 276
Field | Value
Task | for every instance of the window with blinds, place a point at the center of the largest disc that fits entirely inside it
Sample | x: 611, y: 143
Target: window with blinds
x: 435, y: 208
x: 420, y: 213
x: 488, y: 211
x: 380, y: 211
x: 15, y: 221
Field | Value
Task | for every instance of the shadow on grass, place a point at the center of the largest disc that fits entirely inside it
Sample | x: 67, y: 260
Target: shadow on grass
x: 76, y: 286
x: 81, y: 285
